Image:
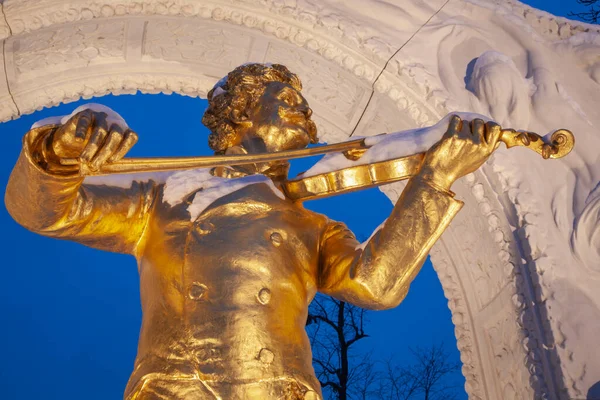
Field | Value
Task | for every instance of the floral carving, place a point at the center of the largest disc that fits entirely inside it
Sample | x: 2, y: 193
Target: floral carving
x: 461, y: 318
x: 68, y: 47
x: 116, y: 84
x: 180, y: 41
x: 485, y: 267
x: 504, y: 342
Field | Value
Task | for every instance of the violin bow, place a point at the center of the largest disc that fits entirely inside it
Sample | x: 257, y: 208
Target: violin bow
x: 561, y: 143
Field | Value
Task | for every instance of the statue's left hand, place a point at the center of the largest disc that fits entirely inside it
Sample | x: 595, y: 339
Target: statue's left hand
x: 87, y: 137
x: 465, y: 146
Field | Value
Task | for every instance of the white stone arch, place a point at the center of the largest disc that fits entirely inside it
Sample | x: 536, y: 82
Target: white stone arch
x: 371, y: 67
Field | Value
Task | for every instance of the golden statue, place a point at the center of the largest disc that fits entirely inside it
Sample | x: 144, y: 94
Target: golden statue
x: 225, y: 293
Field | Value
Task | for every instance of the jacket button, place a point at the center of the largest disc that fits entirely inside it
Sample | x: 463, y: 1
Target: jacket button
x: 196, y: 291
x: 264, y: 296
x: 266, y: 356
x: 276, y: 239
x: 206, y: 227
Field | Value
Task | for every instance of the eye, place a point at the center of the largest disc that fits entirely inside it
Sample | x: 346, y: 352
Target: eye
x: 287, y: 98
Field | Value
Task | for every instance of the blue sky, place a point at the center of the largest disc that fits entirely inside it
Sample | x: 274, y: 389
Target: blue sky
x: 71, y: 315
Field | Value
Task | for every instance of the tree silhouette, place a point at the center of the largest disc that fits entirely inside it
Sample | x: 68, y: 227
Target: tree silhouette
x: 334, y: 328
x: 425, y: 379
x: 592, y: 14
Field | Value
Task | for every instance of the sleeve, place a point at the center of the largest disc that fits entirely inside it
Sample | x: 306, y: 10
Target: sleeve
x: 58, y: 204
x: 377, y: 274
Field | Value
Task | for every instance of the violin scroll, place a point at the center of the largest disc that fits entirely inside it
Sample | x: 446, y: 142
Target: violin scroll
x: 561, y: 142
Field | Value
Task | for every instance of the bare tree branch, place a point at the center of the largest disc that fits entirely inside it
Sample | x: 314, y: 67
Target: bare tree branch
x: 334, y: 327
x: 592, y: 15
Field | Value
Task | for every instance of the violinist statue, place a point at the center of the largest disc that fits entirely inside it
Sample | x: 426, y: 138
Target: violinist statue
x: 226, y: 280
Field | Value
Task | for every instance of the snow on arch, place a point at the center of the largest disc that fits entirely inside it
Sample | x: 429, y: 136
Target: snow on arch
x: 503, y: 263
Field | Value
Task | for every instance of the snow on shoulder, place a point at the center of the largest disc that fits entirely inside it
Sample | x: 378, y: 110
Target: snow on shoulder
x: 209, y: 188
x: 391, y: 146
x: 112, y: 117
x: 180, y: 184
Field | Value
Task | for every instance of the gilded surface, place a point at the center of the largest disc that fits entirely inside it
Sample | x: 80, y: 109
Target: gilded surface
x: 225, y: 295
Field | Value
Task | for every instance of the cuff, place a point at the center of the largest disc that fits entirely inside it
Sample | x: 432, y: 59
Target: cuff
x: 37, y: 150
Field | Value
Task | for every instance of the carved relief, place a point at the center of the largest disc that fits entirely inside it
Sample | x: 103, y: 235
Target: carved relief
x: 484, y: 253
x: 496, y: 274
x: 190, y: 42
x: 544, y: 24
x: 116, y: 84
x: 4, y: 29
x: 530, y: 279
x: 266, y: 16
x: 68, y: 47
x: 504, y: 342
x: 319, y: 78
x: 329, y: 132
x: 461, y: 318
x: 7, y: 108
x: 419, y: 102
x: 585, y: 240
x: 383, y: 116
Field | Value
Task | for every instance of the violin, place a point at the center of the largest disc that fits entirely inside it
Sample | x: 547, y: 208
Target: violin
x: 363, y: 176
x: 357, y: 176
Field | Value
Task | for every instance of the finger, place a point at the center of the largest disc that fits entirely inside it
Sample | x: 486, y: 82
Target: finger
x: 493, y: 134
x: 478, y: 130
x: 97, y: 137
x: 112, y: 143
x: 84, y: 124
x: 65, y: 143
x: 465, y: 131
x: 455, y: 125
x: 129, y: 140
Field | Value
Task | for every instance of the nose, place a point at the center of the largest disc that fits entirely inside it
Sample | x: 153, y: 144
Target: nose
x: 304, y: 108
x: 302, y: 105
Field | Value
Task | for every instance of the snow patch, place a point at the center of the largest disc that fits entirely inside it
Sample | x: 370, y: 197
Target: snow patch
x: 391, y: 146
x: 180, y: 184
x: 112, y: 117
x: 209, y: 188
x: 126, y: 180
x: 218, y: 91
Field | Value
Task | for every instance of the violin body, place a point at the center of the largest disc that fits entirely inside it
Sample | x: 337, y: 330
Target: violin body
x: 353, y: 178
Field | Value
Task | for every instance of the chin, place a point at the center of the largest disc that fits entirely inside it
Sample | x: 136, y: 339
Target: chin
x: 282, y: 138
x: 301, y: 140
x: 294, y: 138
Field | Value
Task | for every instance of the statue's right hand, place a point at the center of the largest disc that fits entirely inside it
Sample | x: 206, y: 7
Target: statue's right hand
x: 87, y: 138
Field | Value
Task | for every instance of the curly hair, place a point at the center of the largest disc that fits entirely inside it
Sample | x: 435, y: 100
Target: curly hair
x: 240, y: 90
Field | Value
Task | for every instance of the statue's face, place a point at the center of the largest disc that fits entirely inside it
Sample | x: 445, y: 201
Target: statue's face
x: 279, y: 121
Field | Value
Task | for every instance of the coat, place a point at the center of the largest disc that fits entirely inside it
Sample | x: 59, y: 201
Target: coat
x: 225, y: 289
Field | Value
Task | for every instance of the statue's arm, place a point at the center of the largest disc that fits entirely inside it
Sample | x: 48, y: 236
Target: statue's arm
x: 378, y: 276
x: 54, y: 202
